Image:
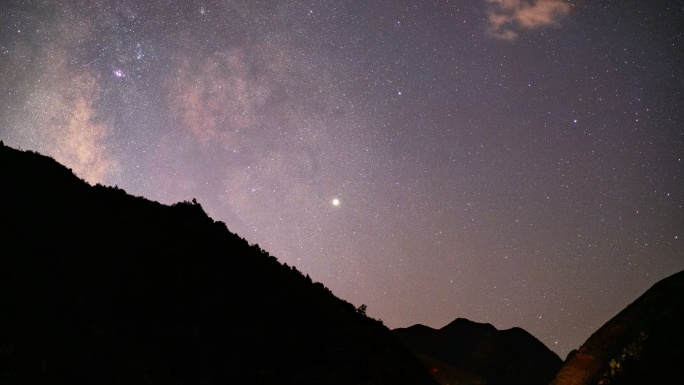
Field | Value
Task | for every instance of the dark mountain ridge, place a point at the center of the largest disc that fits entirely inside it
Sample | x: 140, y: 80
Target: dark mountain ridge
x: 488, y: 355
x: 643, y: 344
x: 100, y: 287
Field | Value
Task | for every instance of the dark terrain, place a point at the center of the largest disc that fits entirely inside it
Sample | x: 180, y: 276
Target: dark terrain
x: 100, y: 287
x: 473, y: 353
x: 643, y: 344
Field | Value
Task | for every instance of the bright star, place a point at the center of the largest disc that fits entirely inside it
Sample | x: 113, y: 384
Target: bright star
x: 336, y: 202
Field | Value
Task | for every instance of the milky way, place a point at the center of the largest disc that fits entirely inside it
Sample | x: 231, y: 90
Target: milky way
x: 507, y: 161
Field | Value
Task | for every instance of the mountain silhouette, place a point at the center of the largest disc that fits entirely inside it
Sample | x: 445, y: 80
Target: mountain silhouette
x: 101, y: 287
x: 643, y: 344
x: 474, y: 353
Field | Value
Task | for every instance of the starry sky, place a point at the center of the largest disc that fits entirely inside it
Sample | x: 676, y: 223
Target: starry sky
x: 513, y: 162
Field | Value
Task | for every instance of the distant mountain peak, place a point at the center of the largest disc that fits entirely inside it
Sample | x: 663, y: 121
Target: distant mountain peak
x: 475, y: 353
x: 460, y: 323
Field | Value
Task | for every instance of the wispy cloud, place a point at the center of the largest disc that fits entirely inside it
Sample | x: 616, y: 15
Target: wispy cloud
x: 59, y: 117
x: 508, y: 17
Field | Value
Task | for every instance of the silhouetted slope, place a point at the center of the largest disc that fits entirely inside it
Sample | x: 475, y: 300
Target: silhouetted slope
x: 510, y: 356
x: 644, y: 342
x: 99, y: 287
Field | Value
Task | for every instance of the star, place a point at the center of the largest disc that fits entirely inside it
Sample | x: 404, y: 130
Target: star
x: 263, y: 116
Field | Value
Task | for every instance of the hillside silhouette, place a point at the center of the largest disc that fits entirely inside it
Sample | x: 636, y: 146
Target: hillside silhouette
x: 643, y: 344
x: 468, y: 352
x: 101, y: 287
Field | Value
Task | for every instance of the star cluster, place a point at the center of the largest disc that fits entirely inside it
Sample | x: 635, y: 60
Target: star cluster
x: 508, y: 161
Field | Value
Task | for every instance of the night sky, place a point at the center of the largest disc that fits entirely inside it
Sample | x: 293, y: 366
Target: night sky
x: 512, y: 162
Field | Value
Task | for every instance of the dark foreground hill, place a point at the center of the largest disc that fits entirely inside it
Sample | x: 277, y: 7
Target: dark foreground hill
x: 100, y: 287
x: 467, y: 352
x: 643, y: 344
